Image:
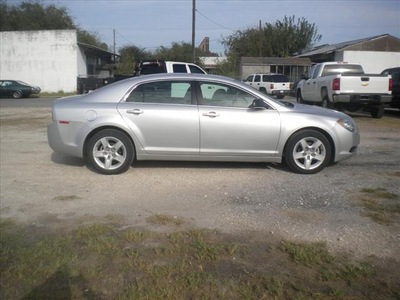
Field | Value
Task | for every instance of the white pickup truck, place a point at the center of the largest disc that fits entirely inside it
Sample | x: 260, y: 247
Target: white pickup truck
x: 152, y: 66
x: 345, y: 86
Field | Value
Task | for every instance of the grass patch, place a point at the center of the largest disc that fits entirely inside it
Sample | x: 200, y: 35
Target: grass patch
x: 66, y: 198
x: 161, y: 219
x: 103, y: 261
x: 380, y: 205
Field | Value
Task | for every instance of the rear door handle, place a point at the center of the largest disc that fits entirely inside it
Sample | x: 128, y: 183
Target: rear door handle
x: 211, y: 114
x: 135, y: 111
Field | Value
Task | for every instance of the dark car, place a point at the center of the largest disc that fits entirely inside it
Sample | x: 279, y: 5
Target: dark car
x: 395, y: 72
x: 17, y: 89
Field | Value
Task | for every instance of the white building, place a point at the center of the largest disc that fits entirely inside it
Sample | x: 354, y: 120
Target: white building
x: 374, y: 53
x: 51, y: 59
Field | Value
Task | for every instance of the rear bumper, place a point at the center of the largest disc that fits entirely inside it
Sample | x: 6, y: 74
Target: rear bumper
x: 362, y: 99
x: 280, y: 92
x: 67, y: 139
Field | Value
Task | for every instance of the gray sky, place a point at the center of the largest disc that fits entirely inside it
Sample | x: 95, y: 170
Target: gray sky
x: 150, y: 24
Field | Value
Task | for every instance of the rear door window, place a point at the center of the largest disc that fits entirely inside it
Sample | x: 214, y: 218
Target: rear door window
x: 179, y: 68
x: 164, y: 92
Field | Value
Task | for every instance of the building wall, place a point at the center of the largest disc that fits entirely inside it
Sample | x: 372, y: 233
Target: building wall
x: 44, y: 58
x: 247, y: 70
x: 372, y: 61
x: 82, y: 69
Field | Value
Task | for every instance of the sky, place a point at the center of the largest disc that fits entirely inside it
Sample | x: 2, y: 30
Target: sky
x: 150, y: 24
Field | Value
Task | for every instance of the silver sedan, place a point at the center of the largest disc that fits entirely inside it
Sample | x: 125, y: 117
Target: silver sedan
x: 196, y: 117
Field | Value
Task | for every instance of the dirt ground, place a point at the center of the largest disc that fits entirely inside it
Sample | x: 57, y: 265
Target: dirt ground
x: 51, y: 191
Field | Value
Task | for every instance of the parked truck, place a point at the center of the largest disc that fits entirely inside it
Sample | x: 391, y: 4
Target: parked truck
x: 142, y: 67
x: 340, y: 85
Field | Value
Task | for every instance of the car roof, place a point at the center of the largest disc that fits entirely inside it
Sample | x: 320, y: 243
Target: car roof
x: 119, y: 88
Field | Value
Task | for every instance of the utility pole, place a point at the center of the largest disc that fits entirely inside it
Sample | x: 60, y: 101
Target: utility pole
x: 193, y: 31
x: 114, y: 43
x: 261, y: 40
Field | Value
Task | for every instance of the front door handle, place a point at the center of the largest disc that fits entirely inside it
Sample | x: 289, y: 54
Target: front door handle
x: 135, y: 111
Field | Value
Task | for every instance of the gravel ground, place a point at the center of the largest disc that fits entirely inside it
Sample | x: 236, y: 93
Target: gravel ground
x: 48, y: 190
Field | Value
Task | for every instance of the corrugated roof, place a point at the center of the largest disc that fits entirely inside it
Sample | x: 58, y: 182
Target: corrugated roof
x: 281, y: 61
x: 340, y: 46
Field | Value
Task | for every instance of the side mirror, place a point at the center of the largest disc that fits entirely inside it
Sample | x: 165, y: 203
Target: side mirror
x: 258, y: 104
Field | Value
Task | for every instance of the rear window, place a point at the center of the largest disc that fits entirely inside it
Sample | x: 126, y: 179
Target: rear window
x: 151, y: 67
x: 342, y: 69
x: 279, y: 78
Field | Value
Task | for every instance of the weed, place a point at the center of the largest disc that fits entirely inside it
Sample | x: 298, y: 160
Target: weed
x: 66, y: 198
x: 308, y: 254
x: 102, y: 261
x: 381, y: 206
x: 165, y: 220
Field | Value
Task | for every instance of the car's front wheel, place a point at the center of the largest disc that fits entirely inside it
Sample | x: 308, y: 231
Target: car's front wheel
x: 307, y: 152
x: 17, y: 94
x: 110, y: 152
x: 299, y: 98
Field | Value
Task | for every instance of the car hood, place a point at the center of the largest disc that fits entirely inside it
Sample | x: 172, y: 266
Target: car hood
x: 311, y: 110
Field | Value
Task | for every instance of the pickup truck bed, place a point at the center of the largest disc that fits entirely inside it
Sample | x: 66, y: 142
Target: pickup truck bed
x: 345, y: 86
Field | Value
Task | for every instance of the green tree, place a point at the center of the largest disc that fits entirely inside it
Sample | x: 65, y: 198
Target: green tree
x: 280, y: 39
x: 33, y: 15
x: 178, y: 51
x: 128, y: 56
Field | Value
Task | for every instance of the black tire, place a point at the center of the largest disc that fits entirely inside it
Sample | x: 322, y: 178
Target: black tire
x: 377, y: 112
x: 263, y: 90
x: 307, y: 152
x: 326, y: 103
x: 299, y: 98
x: 17, y: 94
x: 110, y: 152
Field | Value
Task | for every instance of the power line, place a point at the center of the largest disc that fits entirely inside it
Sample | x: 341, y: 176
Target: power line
x: 212, y: 21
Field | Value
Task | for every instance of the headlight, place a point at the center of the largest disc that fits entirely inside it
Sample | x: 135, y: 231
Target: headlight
x: 347, y: 124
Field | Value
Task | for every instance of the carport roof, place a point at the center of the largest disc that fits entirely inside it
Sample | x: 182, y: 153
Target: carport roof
x: 384, y: 42
x: 96, y: 49
x: 275, y: 61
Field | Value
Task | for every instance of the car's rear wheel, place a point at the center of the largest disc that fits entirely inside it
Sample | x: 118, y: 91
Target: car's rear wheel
x: 377, y: 112
x: 263, y: 90
x: 326, y: 103
x: 110, y: 152
x: 307, y: 152
x: 17, y: 94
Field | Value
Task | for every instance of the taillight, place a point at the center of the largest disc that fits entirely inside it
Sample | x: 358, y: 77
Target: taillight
x: 271, y: 86
x: 336, y: 84
x: 390, y: 84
